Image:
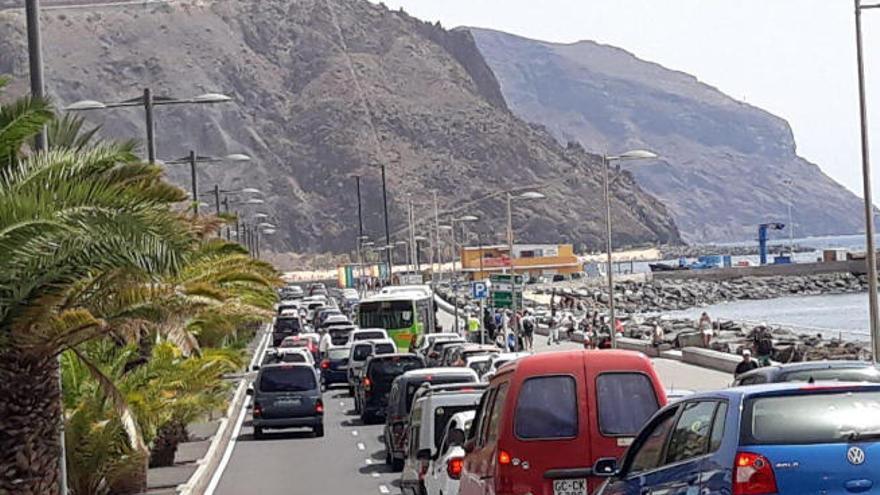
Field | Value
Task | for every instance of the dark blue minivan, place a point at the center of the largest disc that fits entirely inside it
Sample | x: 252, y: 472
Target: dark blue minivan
x: 766, y: 439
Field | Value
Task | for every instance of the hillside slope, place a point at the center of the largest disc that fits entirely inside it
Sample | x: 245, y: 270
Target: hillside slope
x: 726, y: 162
x: 323, y: 90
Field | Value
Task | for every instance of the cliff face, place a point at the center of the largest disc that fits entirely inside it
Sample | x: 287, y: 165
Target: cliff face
x: 725, y: 165
x: 324, y: 90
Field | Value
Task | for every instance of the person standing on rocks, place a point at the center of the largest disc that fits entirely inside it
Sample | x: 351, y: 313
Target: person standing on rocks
x: 763, y: 344
x: 747, y: 364
x: 657, y: 335
x: 705, y: 327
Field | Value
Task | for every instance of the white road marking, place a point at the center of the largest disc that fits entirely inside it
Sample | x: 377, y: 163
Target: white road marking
x: 384, y: 490
x: 361, y: 446
x: 374, y: 474
x: 354, y: 433
x: 368, y: 461
x: 215, y: 480
x: 341, y: 403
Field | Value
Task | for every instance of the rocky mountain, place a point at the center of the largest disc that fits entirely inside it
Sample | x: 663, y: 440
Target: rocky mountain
x: 725, y: 164
x: 324, y: 90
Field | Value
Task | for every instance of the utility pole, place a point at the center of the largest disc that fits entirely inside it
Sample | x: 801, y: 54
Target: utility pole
x: 609, y: 252
x: 387, y: 229
x: 437, y: 239
x: 226, y: 210
x: 195, y: 181
x: 151, y: 128
x: 871, y: 254
x: 360, y: 238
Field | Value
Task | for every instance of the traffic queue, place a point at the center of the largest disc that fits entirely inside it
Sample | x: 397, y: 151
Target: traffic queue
x: 471, y: 419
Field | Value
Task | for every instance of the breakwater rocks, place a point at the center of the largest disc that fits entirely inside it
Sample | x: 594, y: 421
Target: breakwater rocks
x: 790, y: 344
x: 674, y: 252
x: 671, y: 295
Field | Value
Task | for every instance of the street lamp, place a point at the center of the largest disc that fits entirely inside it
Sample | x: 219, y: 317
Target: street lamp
x: 460, y: 220
x: 871, y: 252
x: 419, y: 240
x: 217, y: 191
x: 148, y: 101
x: 193, y: 159
x: 408, y: 257
x: 606, y: 160
x: 525, y: 196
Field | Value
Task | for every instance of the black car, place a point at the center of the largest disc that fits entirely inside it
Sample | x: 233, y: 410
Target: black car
x: 400, y: 401
x: 838, y: 371
x: 285, y: 326
x: 287, y: 396
x: 379, y: 372
x: 334, y: 369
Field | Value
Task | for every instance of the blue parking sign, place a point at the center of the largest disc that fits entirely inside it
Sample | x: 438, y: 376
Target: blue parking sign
x: 479, y: 290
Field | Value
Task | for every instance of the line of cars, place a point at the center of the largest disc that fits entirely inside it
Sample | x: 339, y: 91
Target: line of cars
x: 586, y: 422
x: 311, y: 345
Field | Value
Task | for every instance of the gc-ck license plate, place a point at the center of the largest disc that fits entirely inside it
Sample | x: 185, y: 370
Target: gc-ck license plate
x: 570, y: 487
x: 288, y: 403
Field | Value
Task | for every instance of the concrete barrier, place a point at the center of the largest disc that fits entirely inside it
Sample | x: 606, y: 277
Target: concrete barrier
x: 794, y: 269
x: 643, y: 346
x: 708, y: 358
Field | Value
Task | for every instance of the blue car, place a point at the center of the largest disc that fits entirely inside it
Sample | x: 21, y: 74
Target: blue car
x: 786, y: 438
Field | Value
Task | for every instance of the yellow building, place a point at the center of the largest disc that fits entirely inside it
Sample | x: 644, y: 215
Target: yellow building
x: 532, y: 259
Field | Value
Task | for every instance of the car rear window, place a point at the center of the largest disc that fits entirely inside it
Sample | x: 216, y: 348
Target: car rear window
x: 292, y: 357
x: 413, y: 386
x: 369, y: 335
x: 442, y: 415
x: 287, y: 325
x: 362, y: 352
x: 871, y: 375
x: 481, y: 367
x: 625, y: 401
x: 811, y: 418
x: 547, y: 408
x: 385, y: 369
x: 387, y: 348
x: 339, y: 353
x: 287, y: 379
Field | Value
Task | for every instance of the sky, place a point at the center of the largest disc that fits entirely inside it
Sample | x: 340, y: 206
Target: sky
x: 793, y: 58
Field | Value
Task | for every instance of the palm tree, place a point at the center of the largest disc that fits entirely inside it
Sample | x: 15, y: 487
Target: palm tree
x: 66, y: 216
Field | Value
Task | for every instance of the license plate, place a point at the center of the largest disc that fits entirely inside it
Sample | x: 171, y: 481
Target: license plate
x: 570, y: 487
x: 288, y: 403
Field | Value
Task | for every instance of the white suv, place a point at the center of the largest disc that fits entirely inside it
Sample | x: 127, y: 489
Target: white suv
x: 444, y: 472
x: 427, y: 424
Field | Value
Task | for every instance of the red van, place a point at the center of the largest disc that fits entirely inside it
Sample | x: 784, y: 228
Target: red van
x: 546, y: 419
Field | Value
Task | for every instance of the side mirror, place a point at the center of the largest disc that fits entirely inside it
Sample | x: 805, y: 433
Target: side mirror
x: 256, y: 367
x: 469, y: 446
x: 606, y: 467
x: 424, y: 455
x: 250, y: 391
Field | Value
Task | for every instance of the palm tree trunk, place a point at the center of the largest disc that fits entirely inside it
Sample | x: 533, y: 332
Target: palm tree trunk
x: 30, y: 412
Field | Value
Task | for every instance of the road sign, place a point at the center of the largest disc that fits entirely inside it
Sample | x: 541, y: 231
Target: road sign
x: 479, y: 290
x: 502, y: 290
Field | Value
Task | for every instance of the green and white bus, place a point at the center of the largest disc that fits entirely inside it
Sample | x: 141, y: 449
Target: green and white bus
x: 402, y: 311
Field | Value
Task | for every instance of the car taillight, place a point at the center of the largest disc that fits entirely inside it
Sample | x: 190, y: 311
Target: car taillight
x: 503, y: 458
x: 453, y: 467
x: 325, y: 364
x: 368, y: 384
x: 319, y: 406
x: 753, y: 475
x: 258, y: 410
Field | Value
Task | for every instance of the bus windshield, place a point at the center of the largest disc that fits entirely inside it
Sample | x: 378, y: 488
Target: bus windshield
x: 390, y: 315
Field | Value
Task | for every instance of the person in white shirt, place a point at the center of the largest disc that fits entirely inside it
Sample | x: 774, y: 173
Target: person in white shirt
x: 325, y: 344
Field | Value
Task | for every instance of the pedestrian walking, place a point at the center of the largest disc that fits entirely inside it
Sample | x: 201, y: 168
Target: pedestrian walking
x: 657, y: 335
x: 325, y: 344
x: 705, y: 327
x: 763, y: 345
x: 747, y: 364
x: 528, y: 325
x: 473, y: 328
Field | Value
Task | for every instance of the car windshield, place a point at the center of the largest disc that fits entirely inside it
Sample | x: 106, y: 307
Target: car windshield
x: 287, y: 379
x: 866, y: 374
x: 390, y: 315
x: 811, y: 418
x: 362, y: 352
x: 386, y: 348
x: 384, y: 369
x: 287, y: 325
x: 369, y: 335
x: 339, y: 353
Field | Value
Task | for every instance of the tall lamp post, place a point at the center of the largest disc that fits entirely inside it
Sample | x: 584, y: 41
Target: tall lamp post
x: 148, y: 101
x: 461, y: 221
x: 871, y: 250
x: 528, y: 195
x: 193, y: 160
x: 606, y: 162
